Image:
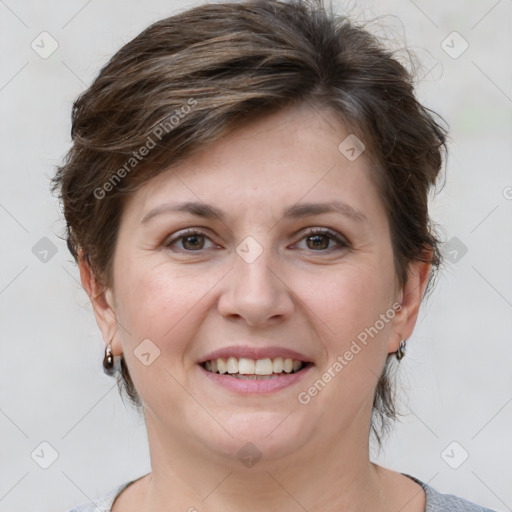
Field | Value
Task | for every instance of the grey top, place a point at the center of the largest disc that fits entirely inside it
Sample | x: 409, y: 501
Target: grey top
x: 435, y: 501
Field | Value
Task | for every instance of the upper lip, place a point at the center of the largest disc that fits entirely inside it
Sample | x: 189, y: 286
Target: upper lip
x: 248, y: 352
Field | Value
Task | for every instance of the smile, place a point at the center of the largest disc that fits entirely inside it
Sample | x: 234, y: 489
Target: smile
x: 254, y: 376
x: 253, y: 368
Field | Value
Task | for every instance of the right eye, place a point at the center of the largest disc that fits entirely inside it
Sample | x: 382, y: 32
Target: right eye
x: 192, y: 240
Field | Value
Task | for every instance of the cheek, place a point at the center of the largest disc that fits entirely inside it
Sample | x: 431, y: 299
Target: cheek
x: 347, y: 305
x: 156, y: 310
x: 351, y: 298
x: 353, y: 311
x: 161, y: 302
x: 153, y: 301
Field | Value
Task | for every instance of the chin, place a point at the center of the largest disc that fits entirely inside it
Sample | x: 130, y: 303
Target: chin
x: 261, y: 436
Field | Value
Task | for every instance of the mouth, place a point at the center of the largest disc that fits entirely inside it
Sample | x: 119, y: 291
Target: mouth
x: 245, y: 369
x: 254, y: 369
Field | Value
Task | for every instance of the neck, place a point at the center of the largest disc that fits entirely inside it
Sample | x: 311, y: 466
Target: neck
x: 341, y: 477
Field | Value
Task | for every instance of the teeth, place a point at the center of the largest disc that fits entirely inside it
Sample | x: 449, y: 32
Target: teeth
x: 252, y: 367
x: 278, y: 364
x: 232, y: 365
x: 221, y: 365
x: 246, y: 366
x: 264, y: 367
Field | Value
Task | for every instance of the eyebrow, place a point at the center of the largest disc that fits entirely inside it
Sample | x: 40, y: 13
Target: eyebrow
x: 298, y: 210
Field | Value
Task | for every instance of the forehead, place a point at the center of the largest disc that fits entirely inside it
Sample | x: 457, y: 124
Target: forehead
x: 274, y: 161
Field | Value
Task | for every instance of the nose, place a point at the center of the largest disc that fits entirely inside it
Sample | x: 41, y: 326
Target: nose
x: 256, y: 292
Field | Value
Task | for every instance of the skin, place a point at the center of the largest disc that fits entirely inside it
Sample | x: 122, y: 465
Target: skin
x: 199, y: 295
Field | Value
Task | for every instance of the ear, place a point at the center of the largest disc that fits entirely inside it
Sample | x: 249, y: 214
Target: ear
x: 410, y: 297
x: 102, y: 301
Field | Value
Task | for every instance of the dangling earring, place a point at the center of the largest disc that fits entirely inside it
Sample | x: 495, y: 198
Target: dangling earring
x: 400, y: 353
x: 108, y: 360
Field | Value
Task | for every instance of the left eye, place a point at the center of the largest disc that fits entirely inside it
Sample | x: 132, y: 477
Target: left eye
x: 320, y: 239
x: 316, y: 239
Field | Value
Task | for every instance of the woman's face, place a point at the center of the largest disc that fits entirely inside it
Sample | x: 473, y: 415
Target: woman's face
x: 253, y: 282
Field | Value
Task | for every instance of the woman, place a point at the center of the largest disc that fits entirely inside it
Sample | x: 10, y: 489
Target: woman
x: 246, y: 198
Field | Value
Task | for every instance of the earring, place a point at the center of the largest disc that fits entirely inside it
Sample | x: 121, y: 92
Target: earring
x: 400, y: 353
x: 108, y: 360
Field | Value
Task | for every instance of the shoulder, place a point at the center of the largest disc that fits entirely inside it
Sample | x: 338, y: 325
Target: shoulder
x: 438, y: 502
x: 102, y: 503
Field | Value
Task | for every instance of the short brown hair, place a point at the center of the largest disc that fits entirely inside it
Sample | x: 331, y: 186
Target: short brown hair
x: 187, y: 80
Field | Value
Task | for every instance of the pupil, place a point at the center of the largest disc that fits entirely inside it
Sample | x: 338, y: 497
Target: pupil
x: 318, y: 242
x: 194, y: 244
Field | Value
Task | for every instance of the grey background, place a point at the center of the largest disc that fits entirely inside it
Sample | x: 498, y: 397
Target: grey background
x: 456, y: 380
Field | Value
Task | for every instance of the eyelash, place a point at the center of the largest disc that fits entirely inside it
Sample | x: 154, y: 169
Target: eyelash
x: 342, y: 243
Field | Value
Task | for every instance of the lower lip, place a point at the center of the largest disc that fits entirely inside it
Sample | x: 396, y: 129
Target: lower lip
x: 249, y: 386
